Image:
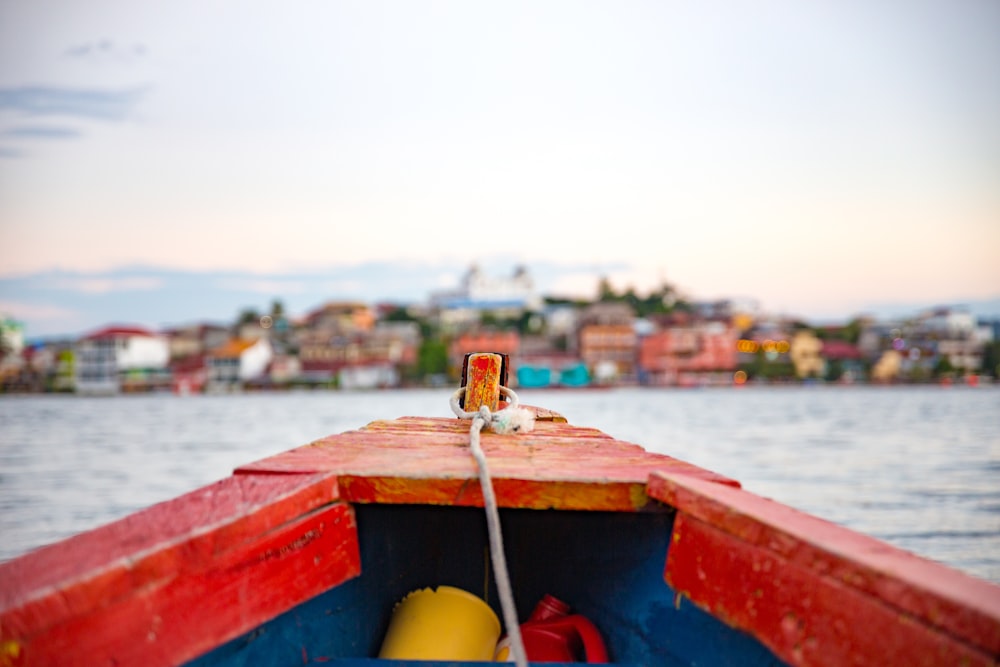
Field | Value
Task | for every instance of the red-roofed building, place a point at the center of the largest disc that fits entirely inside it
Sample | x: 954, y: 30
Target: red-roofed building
x: 839, y: 350
x: 118, y: 358
x: 842, y: 360
x: 188, y: 374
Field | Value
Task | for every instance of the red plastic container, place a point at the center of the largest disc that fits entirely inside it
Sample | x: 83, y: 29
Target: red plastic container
x: 552, y: 634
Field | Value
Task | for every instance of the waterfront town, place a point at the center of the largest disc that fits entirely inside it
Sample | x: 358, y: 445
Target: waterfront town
x: 618, y: 338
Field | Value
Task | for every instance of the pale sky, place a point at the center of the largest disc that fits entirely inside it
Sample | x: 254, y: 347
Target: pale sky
x: 807, y: 154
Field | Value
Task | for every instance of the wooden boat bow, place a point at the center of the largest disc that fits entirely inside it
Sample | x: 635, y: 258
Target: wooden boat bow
x: 178, y: 579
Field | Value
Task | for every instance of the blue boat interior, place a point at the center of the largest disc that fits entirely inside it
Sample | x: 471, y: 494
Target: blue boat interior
x: 607, y: 565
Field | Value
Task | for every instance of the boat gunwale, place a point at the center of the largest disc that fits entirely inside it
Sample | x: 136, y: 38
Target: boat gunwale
x: 958, y: 607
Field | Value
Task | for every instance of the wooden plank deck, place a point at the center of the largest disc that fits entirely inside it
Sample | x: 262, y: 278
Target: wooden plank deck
x: 427, y: 460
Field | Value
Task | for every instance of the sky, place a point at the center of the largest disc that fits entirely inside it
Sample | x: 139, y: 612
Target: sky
x: 162, y: 160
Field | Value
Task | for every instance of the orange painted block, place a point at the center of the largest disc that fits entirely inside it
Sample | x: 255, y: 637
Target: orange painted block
x: 482, y: 381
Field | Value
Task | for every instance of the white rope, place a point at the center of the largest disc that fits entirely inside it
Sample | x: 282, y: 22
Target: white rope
x: 508, y: 420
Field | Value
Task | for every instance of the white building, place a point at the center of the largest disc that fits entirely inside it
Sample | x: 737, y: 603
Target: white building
x: 368, y: 376
x: 112, y: 357
x: 479, y: 291
x: 949, y: 323
x: 236, y: 362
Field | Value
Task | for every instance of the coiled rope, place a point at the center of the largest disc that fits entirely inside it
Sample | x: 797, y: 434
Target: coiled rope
x: 511, y: 419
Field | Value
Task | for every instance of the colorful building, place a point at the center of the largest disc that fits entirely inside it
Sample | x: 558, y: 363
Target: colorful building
x: 689, y: 354
x: 609, y: 351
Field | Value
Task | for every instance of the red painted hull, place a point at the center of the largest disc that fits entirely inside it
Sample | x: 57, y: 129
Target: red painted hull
x: 170, y: 583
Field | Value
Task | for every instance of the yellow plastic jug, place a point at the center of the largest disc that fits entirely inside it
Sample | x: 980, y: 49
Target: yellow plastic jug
x: 443, y: 624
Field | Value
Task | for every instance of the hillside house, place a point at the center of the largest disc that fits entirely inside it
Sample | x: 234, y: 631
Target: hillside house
x: 609, y: 351
x: 341, y: 317
x: 121, y: 358
x: 480, y: 293
x: 196, y: 339
x: 687, y: 354
x: 842, y: 360
x: 230, y: 366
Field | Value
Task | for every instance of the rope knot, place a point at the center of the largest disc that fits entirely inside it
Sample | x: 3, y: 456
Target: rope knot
x: 511, y: 419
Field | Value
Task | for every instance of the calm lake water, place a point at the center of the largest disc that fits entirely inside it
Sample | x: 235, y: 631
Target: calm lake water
x: 918, y: 467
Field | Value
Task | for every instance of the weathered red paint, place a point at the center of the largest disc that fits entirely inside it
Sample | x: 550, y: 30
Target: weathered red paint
x: 177, y: 579
x: 482, y: 378
x: 423, y: 459
x: 545, y: 415
x: 818, y: 593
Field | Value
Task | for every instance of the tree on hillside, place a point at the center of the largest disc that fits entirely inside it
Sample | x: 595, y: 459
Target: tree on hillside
x: 943, y: 367
x: 663, y: 299
x: 399, y: 314
x: 605, y: 290
x: 247, y: 316
x: 432, y: 358
x: 991, y: 359
x: 562, y: 301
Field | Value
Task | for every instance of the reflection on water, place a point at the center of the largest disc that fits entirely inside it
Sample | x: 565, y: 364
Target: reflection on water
x: 915, y: 466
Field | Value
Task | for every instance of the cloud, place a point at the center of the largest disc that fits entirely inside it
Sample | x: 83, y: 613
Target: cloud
x: 345, y: 286
x: 106, y: 50
x: 36, y: 311
x: 30, y: 103
x: 106, y: 285
x: 42, y: 132
x: 89, y: 103
x: 262, y: 286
